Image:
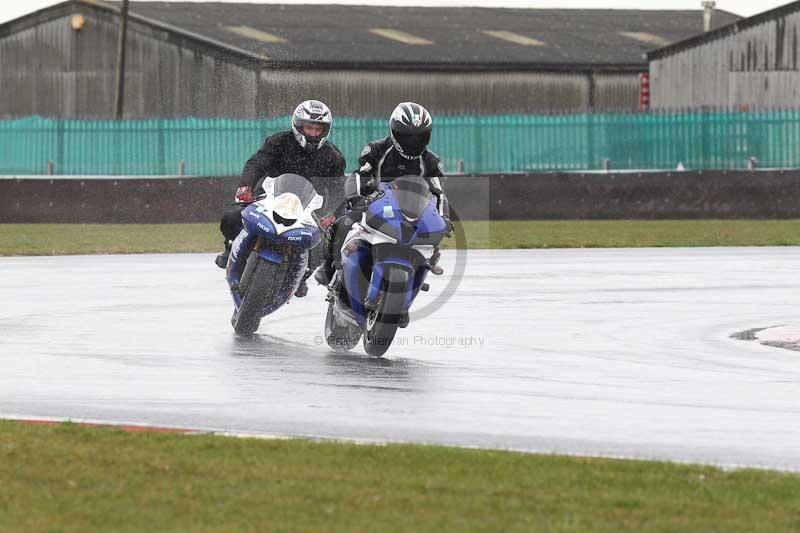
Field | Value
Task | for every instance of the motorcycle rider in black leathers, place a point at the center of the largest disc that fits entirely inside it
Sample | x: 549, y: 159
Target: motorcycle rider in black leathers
x: 305, y: 150
x: 403, y: 153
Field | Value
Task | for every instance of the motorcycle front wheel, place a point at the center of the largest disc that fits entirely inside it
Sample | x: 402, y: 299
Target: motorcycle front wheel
x: 263, y: 287
x: 384, y: 319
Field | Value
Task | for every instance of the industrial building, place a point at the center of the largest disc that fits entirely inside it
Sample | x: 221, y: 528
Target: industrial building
x: 750, y: 63
x: 258, y: 60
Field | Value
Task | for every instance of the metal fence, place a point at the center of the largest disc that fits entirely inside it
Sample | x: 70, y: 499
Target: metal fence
x: 518, y: 143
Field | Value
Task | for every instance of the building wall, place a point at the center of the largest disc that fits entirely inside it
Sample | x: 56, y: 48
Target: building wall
x: 54, y: 71
x: 375, y: 93
x: 755, y: 67
x: 616, y: 92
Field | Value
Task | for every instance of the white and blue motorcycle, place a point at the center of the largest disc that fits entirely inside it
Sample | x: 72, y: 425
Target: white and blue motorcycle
x: 269, y: 258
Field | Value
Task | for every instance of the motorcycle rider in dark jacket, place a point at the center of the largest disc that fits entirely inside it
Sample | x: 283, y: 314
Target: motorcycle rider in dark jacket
x: 403, y: 153
x: 305, y: 150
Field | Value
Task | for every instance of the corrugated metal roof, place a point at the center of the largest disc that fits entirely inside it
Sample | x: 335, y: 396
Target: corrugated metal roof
x: 338, y: 33
x: 320, y: 35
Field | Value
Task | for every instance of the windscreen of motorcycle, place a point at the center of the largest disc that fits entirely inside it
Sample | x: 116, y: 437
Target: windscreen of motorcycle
x: 412, y: 194
x: 297, y: 185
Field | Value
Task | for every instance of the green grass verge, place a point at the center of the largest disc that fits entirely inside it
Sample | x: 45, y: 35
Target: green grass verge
x: 631, y: 233
x: 69, y: 478
x: 70, y: 239
x: 62, y: 239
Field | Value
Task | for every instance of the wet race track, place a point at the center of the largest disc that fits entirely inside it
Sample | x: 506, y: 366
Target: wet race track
x: 624, y: 353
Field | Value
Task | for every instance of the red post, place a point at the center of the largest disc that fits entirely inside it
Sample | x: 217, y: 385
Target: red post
x: 644, y: 91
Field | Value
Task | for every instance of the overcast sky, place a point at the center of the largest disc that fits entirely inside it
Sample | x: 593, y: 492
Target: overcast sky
x: 10, y: 9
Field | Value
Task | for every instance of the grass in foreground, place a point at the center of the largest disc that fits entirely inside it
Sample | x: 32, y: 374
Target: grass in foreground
x: 69, y: 478
x: 65, y: 239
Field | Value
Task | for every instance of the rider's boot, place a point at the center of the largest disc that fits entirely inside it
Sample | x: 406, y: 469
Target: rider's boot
x: 324, y: 274
x: 222, y: 259
x: 302, y: 290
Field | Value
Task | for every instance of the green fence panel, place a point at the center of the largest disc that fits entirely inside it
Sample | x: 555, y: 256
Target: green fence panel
x: 706, y: 139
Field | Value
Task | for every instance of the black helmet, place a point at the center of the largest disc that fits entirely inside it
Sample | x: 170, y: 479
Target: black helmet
x: 410, y: 127
x: 316, y: 115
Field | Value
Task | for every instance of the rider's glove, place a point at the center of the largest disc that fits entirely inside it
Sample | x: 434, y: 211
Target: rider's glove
x: 369, y: 187
x: 327, y: 222
x: 244, y: 195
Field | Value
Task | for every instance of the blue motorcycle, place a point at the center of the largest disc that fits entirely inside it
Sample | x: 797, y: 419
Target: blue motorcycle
x: 385, y: 260
x: 270, y: 256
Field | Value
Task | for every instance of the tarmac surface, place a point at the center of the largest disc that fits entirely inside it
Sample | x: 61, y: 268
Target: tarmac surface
x: 637, y: 353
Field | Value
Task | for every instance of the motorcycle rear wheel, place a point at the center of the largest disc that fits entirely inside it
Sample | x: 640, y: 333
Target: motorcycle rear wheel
x: 341, y: 338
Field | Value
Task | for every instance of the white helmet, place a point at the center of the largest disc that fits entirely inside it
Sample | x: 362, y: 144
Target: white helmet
x: 315, y: 114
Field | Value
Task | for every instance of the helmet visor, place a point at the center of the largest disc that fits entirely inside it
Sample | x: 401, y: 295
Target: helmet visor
x: 312, y: 130
x: 413, y: 144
